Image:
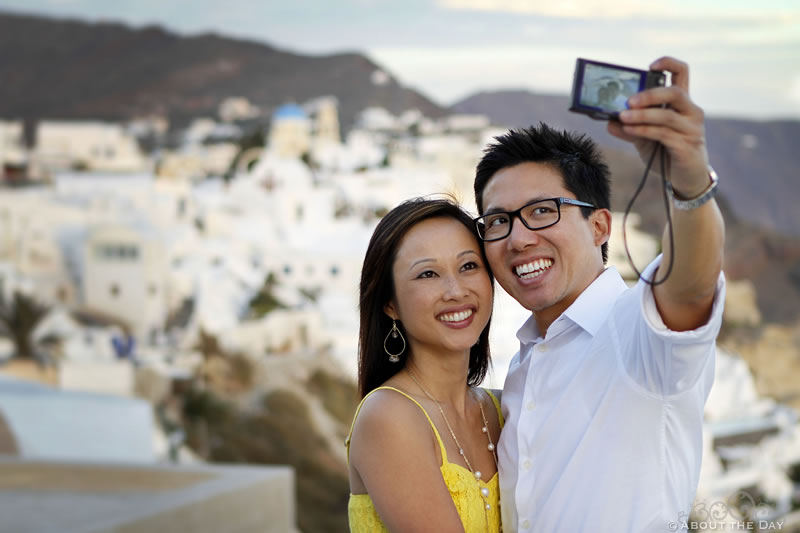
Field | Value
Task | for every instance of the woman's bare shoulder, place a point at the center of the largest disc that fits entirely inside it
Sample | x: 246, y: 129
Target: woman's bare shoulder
x: 389, y: 410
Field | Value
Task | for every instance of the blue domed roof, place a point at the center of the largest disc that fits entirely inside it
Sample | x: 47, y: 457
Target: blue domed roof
x: 289, y: 111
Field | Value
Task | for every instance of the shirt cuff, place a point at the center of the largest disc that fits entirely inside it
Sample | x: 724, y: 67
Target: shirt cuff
x: 656, y: 324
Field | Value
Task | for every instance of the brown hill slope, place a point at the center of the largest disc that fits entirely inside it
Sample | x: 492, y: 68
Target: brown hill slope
x: 70, y: 69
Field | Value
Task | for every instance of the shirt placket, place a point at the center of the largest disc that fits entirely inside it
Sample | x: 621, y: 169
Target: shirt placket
x: 527, y: 428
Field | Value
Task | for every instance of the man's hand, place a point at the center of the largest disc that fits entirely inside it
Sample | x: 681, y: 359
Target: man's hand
x: 678, y: 126
x: 684, y: 300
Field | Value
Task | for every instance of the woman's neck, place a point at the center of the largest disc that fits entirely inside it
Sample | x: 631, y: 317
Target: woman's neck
x: 443, y: 378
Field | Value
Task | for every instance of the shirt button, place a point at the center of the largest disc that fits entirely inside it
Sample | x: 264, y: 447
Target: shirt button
x: 541, y: 347
x: 525, y: 524
x: 530, y: 406
x: 526, y: 465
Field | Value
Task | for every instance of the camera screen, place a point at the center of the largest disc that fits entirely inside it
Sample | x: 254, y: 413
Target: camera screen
x: 609, y: 88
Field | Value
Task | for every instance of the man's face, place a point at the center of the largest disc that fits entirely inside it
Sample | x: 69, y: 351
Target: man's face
x: 544, y: 270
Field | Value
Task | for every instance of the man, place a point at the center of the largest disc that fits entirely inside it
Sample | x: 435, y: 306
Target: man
x: 604, y: 401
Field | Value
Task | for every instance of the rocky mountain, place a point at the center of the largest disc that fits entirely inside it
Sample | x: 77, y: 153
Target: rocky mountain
x: 52, y: 68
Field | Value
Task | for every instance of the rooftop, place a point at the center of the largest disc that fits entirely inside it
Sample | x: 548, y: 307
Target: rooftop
x: 101, y: 498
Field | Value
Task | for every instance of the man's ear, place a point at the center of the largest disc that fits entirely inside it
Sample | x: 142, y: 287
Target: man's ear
x: 390, y: 310
x: 601, y: 226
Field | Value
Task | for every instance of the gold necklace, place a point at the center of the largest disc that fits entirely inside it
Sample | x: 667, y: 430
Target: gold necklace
x: 484, y: 491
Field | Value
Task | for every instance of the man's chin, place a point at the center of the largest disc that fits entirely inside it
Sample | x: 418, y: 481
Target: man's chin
x: 536, y: 305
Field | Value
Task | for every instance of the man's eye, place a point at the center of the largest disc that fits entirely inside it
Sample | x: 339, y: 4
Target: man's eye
x: 497, y: 221
x: 543, y: 210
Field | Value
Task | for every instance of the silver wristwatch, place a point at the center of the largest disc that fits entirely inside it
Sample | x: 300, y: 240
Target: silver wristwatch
x: 687, y: 204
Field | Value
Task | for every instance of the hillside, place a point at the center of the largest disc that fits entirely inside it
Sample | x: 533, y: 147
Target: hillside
x: 55, y: 68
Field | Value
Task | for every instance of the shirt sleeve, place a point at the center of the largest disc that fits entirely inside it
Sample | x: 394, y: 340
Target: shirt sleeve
x: 662, y: 361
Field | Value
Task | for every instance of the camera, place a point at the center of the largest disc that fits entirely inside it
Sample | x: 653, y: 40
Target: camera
x: 601, y: 90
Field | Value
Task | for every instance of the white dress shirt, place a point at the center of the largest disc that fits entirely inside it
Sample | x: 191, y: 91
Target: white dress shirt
x: 604, y: 415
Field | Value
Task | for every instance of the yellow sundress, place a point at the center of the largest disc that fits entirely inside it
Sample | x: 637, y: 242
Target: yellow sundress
x: 459, y: 480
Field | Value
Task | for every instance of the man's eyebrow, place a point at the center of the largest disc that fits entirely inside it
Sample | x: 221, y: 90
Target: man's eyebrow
x: 493, y: 210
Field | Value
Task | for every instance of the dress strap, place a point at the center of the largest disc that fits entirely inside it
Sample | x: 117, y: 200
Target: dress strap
x: 433, y: 426
x: 496, y: 403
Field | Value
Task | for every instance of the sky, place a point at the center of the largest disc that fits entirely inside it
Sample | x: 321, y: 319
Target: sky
x: 744, y: 55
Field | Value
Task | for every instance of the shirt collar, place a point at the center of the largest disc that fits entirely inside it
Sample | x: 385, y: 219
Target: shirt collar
x: 590, y: 308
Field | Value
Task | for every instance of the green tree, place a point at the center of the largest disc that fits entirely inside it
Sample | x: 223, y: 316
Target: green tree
x: 254, y: 139
x: 265, y: 301
x: 18, y: 319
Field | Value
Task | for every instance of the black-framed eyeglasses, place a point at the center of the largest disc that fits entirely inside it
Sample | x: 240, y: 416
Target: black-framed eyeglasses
x: 535, y: 215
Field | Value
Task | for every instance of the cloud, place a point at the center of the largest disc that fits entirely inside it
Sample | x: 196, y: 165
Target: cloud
x: 563, y: 8
x: 769, y: 12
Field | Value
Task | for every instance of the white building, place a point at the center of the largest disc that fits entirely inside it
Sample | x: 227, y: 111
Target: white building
x: 290, y: 132
x: 472, y: 124
x: 125, y: 273
x: 235, y: 108
x: 197, y: 161
x: 12, y: 144
x: 378, y: 119
x: 98, y: 146
x: 324, y: 116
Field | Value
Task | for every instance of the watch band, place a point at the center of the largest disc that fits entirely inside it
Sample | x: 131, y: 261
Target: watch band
x: 687, y: 204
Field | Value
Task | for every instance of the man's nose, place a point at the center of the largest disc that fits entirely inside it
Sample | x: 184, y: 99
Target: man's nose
x: 520, y: 236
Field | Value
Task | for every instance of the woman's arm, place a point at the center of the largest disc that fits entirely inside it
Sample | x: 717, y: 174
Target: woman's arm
x: 393, y: 450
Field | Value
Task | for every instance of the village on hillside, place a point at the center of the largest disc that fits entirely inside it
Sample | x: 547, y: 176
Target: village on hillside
x: 162, y: 290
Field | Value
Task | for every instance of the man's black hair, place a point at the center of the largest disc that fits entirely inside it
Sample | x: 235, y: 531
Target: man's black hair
x: 574, y: 155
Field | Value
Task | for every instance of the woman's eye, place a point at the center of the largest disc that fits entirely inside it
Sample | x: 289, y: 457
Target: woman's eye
x: 427, y: 274
x: 472, y: 265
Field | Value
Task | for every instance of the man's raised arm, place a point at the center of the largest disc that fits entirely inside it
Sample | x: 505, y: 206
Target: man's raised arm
x: 684, y: 299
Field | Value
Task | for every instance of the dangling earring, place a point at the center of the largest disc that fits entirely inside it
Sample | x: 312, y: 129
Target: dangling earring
x: 394, y: 333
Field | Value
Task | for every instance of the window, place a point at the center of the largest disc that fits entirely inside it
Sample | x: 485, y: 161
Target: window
x: 114, y: 290
x: 117, y: 252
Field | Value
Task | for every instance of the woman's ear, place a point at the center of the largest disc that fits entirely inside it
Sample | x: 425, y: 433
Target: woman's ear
x: 390, y: 311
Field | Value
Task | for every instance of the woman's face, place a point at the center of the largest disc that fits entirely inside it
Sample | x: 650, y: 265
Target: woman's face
x: 443, y: 294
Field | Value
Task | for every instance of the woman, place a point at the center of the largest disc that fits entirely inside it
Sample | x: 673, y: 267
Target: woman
x: 422, y: 446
